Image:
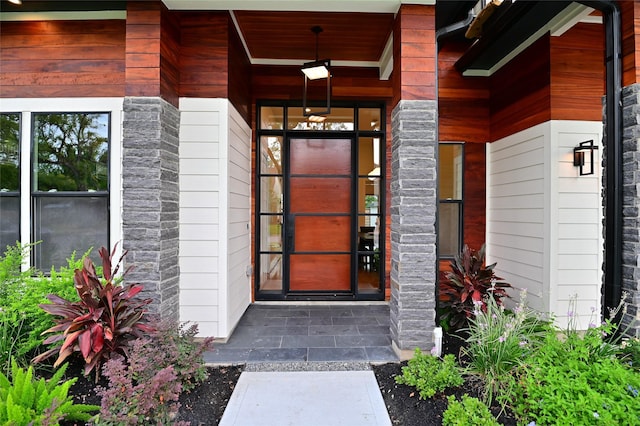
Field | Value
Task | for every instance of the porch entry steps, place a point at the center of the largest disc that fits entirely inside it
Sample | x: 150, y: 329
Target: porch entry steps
x: 308, y: 333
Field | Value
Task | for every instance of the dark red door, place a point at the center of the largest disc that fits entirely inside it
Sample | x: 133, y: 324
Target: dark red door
x: 319, y: 217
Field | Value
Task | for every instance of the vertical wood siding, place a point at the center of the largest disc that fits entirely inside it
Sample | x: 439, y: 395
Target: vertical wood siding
x: 414, y: 53
x: 170, y: 56
x: 239, y: 75
x: 463, y: 102
x: 204, y: 54
x: 62, y: 59
x: 577, y: 73
x: 630, y: 41
x: 520, y: 91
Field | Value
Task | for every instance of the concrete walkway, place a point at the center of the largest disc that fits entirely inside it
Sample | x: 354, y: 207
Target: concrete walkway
x: 309, y: 398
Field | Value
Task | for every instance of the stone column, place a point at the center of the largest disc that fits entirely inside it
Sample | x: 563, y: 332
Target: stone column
x: 631, y: 204
x: 413, y: 217
x: 150, y: 199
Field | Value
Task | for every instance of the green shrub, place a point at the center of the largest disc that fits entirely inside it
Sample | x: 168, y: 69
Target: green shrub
x: 630, y: 352
x: 499, y: 341
x: 430, y: 374
x: 26, y: 401
x: 580, y: 380
x: 470, y: 411
x: 21, y: 320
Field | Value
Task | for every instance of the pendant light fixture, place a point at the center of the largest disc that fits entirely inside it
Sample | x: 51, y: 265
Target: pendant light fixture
x: 313, y: 71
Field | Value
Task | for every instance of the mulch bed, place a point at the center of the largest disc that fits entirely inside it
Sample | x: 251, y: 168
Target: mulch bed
x: 205, y: 404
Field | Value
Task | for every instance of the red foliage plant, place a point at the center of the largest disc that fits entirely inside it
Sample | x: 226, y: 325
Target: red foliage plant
x: 469, y: 282
x: 105, y: 320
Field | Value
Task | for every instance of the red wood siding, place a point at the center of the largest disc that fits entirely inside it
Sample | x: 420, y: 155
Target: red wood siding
x: 239, y: 74
x: 520, y: 91
x: 630, y: 11
x: 474, y: 217
x: 577, y: 73
x: 463, y: 102
x: 143, y: 48
x: 62, y: 58
x: 170, y: 56
x: 414, y: 52
x: 204, y: 54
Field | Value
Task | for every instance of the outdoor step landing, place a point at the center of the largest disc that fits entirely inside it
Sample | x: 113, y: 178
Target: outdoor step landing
x: 310, y: 398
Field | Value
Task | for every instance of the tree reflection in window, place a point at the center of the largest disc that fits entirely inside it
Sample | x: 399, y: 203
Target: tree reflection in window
x: 9, y: 152
x: 71, y: 151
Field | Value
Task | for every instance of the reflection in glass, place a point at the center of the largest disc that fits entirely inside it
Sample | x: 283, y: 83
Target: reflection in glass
x: 271, y: 236
x: 271, y: 155
x: 71, y: 152
x: 449, y: 229
x: 450, y: 171
x: 9, y: 220
x: 271, y: 117
x: 271, y: 194
x: 271, y: 272
x: 68, y: 224
x: 339, y: 119
x: 9, y: 152
x: 369, y: 119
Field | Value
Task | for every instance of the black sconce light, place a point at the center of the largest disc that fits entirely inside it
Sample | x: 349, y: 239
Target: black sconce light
x: 579, y: 154
x: 316, y: 70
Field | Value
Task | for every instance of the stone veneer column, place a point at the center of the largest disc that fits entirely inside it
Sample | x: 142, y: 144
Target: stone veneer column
x: 413, y: 217
x: 631, y: 204
x: 150, y: 199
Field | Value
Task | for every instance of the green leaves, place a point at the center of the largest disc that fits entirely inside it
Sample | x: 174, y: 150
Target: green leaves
x: 430, y: 374
x: 469, y: 411
x: 25, y: 401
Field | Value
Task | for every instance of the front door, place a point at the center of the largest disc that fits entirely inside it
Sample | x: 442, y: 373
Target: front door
x: 318, y: 237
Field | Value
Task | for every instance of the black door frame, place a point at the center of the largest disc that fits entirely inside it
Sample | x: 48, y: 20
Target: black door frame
x: 287, y: 134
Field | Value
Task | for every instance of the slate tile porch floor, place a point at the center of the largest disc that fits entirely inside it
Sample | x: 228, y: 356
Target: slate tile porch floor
x: 308, y: 333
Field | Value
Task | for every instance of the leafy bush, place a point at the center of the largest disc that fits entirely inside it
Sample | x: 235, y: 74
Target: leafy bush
x: 148, y: 383
x: 580, y: 380
x: 630, y: 352
x: 25, y: 401
x: 105, y: 320
x: 471, y: 411
x: 430, y: 374
x: 176, y: 346
x: 21, y: 320
x: 470, y: 281
x: 499, y: 341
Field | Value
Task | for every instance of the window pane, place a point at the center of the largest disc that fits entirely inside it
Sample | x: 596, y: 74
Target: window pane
x: 271, y: 194
x: 271, y: 117
x: 270, y: 272
x: 271, y: 233
x: 271, y: 155
x: 71, y: 152
x: 9, y: 152
x: 449, y: 229
x: 9, y: 221
x: 369, y: 195
x: 67, y: 224
x: 369, y: 156
x: 369, y: 119
x: 339, y: 119
x: 450, y: 171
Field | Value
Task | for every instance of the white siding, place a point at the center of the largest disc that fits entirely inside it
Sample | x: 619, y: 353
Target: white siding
x: 544, y: 222
x: 214, y: 156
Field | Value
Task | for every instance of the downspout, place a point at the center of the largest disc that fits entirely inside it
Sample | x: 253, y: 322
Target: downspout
x: 441, y: 34
x: 613, y: 175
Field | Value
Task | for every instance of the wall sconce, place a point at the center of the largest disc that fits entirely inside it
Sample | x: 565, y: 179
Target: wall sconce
x: 316, y: 70
x: 579, y: 154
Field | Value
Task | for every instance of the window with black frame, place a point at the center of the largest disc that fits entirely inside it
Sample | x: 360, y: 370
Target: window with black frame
x: 450, y: 174
x: 9, y: 179
x: 70, y: 185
